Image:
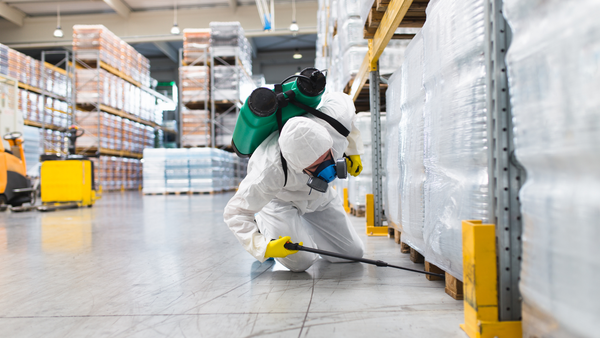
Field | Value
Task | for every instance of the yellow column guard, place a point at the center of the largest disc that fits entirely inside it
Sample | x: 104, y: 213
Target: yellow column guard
x: 373, y: 230
x: 481, y: 286
x: 346, y: 202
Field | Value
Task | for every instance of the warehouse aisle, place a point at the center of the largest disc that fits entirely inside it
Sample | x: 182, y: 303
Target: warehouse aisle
x: 156, y: 266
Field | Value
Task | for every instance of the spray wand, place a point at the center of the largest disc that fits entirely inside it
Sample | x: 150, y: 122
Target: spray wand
x: 295, y: 246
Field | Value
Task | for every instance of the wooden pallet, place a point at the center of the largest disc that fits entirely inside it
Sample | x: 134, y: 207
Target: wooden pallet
x: 414, y: 18
x: 363, y: 101
x: 198, y: 105
x: 454, y: 287
x: 433, y: 268
x: 416, y: 257
x: 358, y: 210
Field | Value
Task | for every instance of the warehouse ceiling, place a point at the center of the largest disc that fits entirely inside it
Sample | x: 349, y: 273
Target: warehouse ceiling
x: 123, y: 7
x: 27, y: 25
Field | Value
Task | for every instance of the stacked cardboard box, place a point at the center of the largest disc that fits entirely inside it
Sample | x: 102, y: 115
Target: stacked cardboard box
x: 113, y: 132
x: 195, y: 84
x: 3, y: 59
x: 116, y: 173
x: 195, y: 128
x: 93, y: 42
x: 195, y: 43
x: 195, y: 89
x: 101, y: 87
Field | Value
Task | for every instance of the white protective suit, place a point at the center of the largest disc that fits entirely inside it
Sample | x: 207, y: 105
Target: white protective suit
x: 317, y: 219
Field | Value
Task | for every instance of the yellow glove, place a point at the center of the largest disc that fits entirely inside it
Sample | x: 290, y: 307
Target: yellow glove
x: 354, y: 165
x: 275, y: 248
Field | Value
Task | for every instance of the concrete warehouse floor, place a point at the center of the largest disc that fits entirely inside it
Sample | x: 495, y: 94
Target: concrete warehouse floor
x: 168, y: 266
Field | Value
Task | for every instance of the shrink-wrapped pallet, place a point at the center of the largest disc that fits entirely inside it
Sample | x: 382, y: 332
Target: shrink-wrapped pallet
x: 3, y: 59
x: 224, y: 129
x: 226, y: 81
x: 361, y: 185
x: 348, y: 9
x: 227, y: 39
x: 194, y: 83
x: 96, y: 42
x: 455, y: 128
x: 411, y: 145
x: 195, y: 128
x: 350, y: 32
x: 195, y: 46
x: 554, y: 77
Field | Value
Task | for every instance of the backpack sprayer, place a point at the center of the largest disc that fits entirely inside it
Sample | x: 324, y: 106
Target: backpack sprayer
x: 265, y: 110
x: 295, y: 246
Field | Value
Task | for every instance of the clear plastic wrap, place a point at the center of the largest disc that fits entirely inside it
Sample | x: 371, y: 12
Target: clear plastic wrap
x: 361, y: 185
x: 554, y: 78
x: 348, y: 9
x: 226, y: 82
x: 352, y: 60
x: 411, y: 100
x: 193, y: 169
x: 195, y: 46
x: 3, y: 59
x: 455, y: 127
x: 350, y: 33
x: 365, y: 8
x: 392, y: 57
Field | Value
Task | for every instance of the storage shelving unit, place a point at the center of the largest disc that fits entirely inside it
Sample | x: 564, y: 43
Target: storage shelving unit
x: 505, y: 174
x: 225, y: 104
x: 114, y: 106
x: 194, y: 98
x: 50, y: 143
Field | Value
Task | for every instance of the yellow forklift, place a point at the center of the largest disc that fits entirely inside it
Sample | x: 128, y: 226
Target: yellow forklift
x: 67, y: 182
x: 15, y: 186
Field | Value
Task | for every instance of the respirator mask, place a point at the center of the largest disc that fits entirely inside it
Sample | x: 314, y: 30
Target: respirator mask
x: 326, y: 172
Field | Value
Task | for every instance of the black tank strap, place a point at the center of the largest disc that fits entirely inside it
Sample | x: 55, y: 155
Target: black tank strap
x: 291, y: 98
x: 333, y: 122
x: 279, y: 117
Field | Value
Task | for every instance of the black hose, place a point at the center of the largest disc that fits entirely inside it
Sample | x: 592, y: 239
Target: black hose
x: 295, y: 246
x: 293, y: 76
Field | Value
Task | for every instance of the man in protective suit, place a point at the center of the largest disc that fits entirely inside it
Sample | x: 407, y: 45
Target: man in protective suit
x: 266, y: 212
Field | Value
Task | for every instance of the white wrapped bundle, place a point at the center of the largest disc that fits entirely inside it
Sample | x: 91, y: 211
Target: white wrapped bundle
x: 154, y: 170
x: 411, y: 143
x: 365, y: 8
x: 554, y: 77
x: 455, y: 128
x: 392, y: 186
x: 392, y: 57
x: 348, y: 9
x: 351, y: 62
x: 351, y: 34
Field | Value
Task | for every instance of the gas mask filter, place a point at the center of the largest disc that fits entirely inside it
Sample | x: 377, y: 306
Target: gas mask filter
x: 326, y: 172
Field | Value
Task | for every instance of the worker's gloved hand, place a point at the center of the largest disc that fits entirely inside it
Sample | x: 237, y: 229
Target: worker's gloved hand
x: 354, y: 165
x: 275, y: 248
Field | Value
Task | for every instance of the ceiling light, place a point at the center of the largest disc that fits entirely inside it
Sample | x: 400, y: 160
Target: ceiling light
x: 175, y: 29
x: 58, y: 33
x: 294, y: 26
x: 297, y: 55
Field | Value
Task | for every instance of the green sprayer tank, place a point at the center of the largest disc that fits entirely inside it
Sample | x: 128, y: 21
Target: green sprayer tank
x: 257, y: 119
